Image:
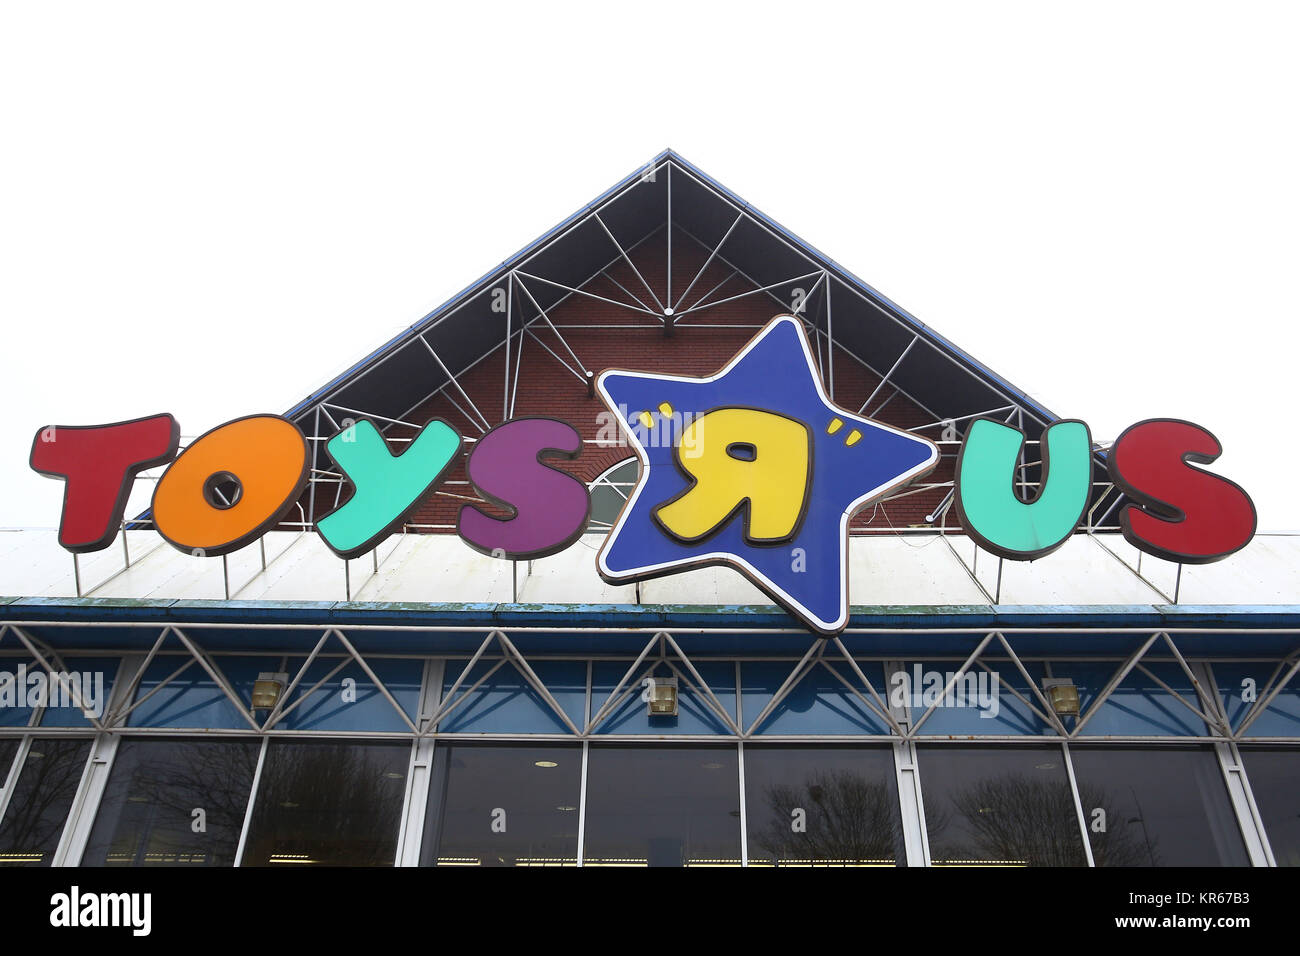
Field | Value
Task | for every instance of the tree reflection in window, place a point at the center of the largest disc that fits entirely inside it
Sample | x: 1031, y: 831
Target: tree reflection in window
x: 8, y: 750
x: 1157, y: 806
x: 329, y: 802
x: 1274, y: 774
x: 38, y: 808
x: 173, y: 803
x: 999, y: 806
x: 827, y: 806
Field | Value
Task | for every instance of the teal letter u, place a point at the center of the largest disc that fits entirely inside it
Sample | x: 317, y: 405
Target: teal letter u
x: 993, y: 514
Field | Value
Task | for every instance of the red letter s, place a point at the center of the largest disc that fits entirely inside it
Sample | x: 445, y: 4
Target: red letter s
x: 1178, y: 513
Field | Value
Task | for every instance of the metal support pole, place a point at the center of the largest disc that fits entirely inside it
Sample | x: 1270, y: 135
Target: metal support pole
x: 315, y: 453
x: 893, y: 368
x: 1079, y: 809
x: 775, y: 285
x: 916, y: 839
x: 668, y: 297
x: 640, y: 307
x: 252, y: 802
x: 94, y: 777
x: 410, y: 839
x: 725, y: 236
x: 547, y: 319
x: 451, y: 378
x: 505, y: 398
x: 830, y: 339
x: 628, y: 260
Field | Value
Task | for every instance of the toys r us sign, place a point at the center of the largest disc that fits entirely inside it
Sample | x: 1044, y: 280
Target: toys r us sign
x: 759, y: 471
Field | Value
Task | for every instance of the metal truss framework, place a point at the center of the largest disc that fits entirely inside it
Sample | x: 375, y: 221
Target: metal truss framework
x: 902, y: 723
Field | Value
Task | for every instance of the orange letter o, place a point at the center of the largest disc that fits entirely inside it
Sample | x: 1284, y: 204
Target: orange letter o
x: 232, y: 485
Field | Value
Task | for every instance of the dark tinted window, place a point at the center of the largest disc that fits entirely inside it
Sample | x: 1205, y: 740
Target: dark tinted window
x: 999, y: 806
x: 822, y: 805
x: 173, y: 803
x: 1157, y: 807
x: 662, y: 806
x: 38, y: 807
x: 328, y: 802
x: 1274, y: 775
x: 503, y: 806
x: 8, y: 750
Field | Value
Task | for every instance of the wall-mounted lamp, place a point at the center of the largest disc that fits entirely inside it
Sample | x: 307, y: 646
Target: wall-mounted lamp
x: 1062, y: 695
x: 661, y: 696
x: 267, y: 690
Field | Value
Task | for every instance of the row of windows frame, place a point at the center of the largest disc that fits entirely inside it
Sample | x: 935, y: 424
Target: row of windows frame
x: 429, y: 709
x: 909, y: 766
x: 903, y: 730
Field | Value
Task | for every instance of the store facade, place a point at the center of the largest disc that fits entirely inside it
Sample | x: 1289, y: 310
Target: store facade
x: 479, y: 678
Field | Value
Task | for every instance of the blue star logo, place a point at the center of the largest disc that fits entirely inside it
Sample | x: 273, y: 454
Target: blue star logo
x: 834, y: 463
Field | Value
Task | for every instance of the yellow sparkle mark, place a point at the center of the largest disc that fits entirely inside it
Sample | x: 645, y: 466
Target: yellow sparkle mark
x: 834, y: 426
x: 646, y: 419
x: 855, y: 436
x: 665, y: 408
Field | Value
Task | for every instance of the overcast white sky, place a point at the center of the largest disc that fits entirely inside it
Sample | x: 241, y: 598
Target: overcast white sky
x: 211, y: 209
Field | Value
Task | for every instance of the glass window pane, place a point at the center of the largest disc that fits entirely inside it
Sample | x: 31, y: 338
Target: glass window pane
x: 662, y: 806
x: 8, y: 750
x: 999, y: 806
x: 503, y: 805
x: 1138, y: 706
x: 148, y: 814
x: 694, y: 714
x: 329, y: 802
x: 830, y: 806
x: 505, y: 703
x: 90, y: 680
x: 1159, y: 807
x: 978, y: 703
x: 1274, y: 775
x: 14, y: 693
x: 350, y: 700
x: 38, y: 809
x: 819, y: 704
x: 1242, y: 685
x: 193, y: 699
